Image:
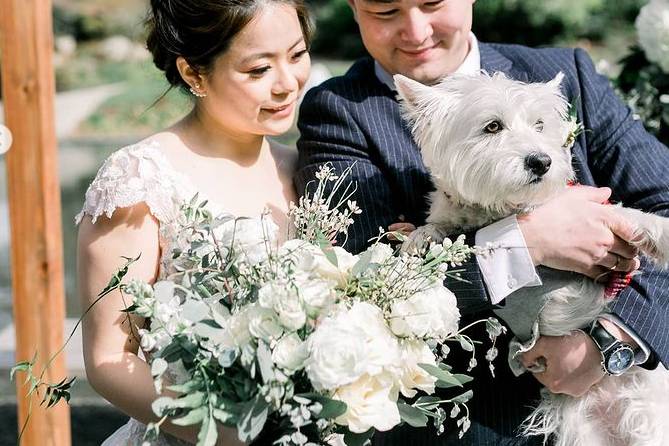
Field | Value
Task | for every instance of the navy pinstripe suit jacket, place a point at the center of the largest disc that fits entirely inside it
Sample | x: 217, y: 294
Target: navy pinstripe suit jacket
x: 355, y: 119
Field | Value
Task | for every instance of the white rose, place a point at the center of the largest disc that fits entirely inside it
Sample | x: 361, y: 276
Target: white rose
x: 349, y: 344
x: 263, y: 323
x: 253, y: 238
x: 371, y: 401
x: 431, y: 313
x: 652, y: 25
x: 336, y: 355
x: 413, y: 377
x: 290, y: 353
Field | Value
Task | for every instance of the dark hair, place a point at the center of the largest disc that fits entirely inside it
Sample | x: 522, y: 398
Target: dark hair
x: 201, y: 30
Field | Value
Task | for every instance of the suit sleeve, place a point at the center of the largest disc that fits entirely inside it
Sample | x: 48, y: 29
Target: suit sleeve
x: 330, y: 134
x: 624, y: 157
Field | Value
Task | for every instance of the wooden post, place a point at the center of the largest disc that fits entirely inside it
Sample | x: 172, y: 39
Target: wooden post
x: 28, y: 85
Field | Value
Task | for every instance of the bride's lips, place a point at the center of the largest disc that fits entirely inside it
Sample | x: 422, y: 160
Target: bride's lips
x: 282, y: 111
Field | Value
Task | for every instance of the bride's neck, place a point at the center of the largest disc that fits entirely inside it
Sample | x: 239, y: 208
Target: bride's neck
x: 208, y: 137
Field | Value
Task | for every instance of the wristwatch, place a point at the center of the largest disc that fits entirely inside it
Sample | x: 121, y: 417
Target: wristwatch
x: 617, y: 356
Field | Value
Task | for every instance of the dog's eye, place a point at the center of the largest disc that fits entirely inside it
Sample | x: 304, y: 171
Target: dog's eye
x: 539, y: 125
x: 493, y: 127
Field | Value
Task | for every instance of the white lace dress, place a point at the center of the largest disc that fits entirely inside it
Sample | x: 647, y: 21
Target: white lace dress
x: 136, y: 174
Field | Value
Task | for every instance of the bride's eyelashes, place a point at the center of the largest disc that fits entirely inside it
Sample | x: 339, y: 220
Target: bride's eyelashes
x: 258, y: 72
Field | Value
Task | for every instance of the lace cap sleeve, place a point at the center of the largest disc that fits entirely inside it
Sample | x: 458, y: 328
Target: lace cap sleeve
x: 135, y: 174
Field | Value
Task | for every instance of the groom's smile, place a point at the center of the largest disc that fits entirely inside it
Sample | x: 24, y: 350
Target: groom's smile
x: 422, y: 39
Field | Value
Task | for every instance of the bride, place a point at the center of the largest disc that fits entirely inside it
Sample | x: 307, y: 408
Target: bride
x: 245, y: 63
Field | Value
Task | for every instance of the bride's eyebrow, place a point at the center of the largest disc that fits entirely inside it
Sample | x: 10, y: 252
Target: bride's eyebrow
x: 253, y: 57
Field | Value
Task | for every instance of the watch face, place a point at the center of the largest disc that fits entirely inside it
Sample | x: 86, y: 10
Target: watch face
x: 620, y: 360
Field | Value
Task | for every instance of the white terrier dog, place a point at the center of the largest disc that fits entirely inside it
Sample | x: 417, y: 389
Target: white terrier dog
x: 496, y: 147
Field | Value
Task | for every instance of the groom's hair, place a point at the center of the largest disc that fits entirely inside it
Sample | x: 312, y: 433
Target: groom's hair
x: 201, y: 30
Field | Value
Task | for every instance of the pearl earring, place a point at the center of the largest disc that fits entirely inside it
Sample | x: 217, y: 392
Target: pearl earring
x: 197, y: 93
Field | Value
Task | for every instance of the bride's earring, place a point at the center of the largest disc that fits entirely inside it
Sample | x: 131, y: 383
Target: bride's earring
x: 197, y: 93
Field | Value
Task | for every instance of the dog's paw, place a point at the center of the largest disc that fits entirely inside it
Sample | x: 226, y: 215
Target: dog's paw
x: 419, y: 240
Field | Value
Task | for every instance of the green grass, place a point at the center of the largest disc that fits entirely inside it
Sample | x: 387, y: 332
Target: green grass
x: 136, y: 112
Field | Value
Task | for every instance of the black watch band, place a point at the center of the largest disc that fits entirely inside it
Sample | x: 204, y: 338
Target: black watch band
x: 609, y: 346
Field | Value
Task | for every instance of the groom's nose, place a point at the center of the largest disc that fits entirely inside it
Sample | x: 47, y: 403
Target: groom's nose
x: 416, y: 27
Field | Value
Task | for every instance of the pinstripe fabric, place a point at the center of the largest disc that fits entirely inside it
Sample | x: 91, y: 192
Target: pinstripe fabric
x: 354, y: 120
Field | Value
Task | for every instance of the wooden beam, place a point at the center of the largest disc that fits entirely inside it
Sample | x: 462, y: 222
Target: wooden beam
x: 28, y: 85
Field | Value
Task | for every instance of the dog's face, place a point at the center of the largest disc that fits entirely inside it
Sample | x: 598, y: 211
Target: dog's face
x: 490, y: 140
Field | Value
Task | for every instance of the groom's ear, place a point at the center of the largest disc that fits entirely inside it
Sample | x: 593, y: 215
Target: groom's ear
x: 411, y: 93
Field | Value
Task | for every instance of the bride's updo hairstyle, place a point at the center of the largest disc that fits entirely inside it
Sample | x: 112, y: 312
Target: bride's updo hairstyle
x: 201, y: 30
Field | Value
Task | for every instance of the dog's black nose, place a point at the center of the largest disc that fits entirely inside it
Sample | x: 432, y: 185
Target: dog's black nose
x: 538, y: 163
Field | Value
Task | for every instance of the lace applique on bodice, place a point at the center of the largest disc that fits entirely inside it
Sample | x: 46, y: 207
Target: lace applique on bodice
x: 135, y: 174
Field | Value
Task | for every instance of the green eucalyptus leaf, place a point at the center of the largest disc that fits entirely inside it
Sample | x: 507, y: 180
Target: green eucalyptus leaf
x: 326, y: 247
x: 192, y: 417
x: 362, y: 264
x: 447, y: 379
x: 265, y: 362
x: 353, y: 439
x: 466, y: 344
x: 253, y: 419
x: 208, y: 433
x: 158, y: 366
x: 162, y: 404
x: 428, y: 402
x: 461, y: 399
x: 330, y: 408
x: 411, y: 415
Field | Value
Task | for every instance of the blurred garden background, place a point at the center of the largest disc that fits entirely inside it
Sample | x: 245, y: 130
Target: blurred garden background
x: 108, y: 96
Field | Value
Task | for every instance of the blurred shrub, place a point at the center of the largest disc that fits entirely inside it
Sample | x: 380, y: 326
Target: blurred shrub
x: 94, y: 23
x: 336, y: 31
x: 528, y: 22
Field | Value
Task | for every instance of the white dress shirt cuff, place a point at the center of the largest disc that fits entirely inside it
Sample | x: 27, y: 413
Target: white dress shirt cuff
x: 505, y: 263
x: 643, y: 353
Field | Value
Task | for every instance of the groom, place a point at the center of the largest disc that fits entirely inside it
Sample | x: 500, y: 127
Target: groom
x: 353, y: 120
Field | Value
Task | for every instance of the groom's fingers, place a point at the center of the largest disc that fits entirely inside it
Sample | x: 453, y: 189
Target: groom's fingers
x: 403, y: 227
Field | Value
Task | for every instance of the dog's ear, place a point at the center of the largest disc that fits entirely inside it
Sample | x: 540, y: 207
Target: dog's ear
x: 556, y: 82
x: 411, y: 92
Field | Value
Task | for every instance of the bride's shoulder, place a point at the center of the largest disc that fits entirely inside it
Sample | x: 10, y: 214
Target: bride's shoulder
x: 134, y: 174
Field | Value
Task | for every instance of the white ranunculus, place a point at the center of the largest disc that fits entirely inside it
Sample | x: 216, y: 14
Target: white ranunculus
x: 431, y: 313
x: 383, y: 352
x: 412, y: 376
x: 371, y: 401
x: 381, y: 252
x: 340, y: 272
x: 290, y: 353
x: 285, y: 300
x: 317, y: 295
x: 300, y: 252
x: 349, y: 344
x: 263, y: 323
x: 652, y: 25
x: 253, y: 238
x: 237, y: 334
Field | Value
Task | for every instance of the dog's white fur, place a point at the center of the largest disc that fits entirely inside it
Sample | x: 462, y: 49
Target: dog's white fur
x: 482, y: 177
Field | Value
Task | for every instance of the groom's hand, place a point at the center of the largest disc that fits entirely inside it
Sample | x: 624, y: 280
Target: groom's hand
x: 577, y: 232
x: 572, y: 363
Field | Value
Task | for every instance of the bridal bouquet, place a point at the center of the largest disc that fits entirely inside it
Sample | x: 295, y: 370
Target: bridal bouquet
x: 644, y: 78
x: 300, y: 342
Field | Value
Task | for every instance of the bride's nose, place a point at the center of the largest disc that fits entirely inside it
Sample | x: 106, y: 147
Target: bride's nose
x: 285, y: 82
